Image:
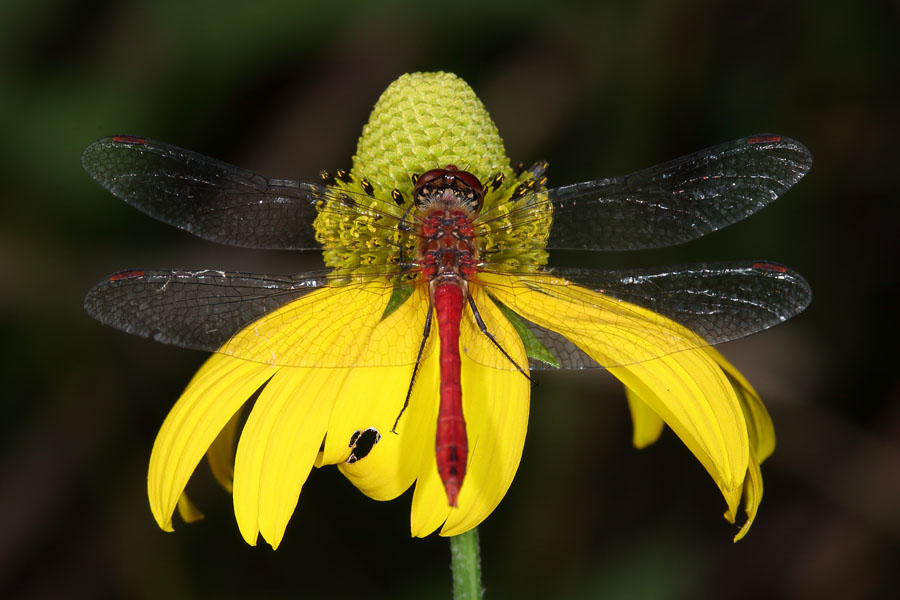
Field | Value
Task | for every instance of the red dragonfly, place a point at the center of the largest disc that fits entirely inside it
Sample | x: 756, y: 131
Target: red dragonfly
x: 448, y: 225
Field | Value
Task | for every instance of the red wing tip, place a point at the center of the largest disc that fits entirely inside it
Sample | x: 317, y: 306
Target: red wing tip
x: 765, y: 266
x: 129, y: 139
x: 126, y: 275
x: 764, y: 139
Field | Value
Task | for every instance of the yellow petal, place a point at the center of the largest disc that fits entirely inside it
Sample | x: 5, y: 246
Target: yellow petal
x: 686, y: 388
x: 212, y: 397
x: 621, y: 333
x: 496, y: 438
x: 760, y: 429
x: 695, y: 399
x: 220, y: 455
x: 495, y: 406
x: 647, y: 425
x: 287, y: 425
x: 429, y: 504
x: 761, y: 434
x: 647, y: 428
x: 393, y: 463
x: 187, y: 511
x: 374, y: 397
x: 329, y: 327
x: 278, y: 446
x: 753, y: 491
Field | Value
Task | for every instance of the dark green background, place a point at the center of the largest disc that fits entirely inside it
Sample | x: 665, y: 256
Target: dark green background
x: 598, y: 89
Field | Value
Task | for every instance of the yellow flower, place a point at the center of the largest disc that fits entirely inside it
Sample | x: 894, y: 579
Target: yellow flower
x: 323, y: 377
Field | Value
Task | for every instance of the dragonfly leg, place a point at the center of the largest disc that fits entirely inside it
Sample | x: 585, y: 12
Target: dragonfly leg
x: 406, y: 227
x: 491, y: 337
x: 412, y: 380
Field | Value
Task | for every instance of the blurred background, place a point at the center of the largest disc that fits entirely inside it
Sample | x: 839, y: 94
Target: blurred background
x: 596, y: 88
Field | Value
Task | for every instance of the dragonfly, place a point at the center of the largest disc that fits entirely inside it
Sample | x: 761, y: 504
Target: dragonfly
x: 447, y: 228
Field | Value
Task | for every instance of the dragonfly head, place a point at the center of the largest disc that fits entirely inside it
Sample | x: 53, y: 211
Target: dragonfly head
x: 450, y: 182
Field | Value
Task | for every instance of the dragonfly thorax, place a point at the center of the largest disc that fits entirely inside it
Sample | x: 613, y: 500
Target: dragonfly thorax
x: 448, y: 200
x: 447, y: 249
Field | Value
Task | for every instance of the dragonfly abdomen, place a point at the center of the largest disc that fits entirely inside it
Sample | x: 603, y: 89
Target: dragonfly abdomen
x: 451, y: 445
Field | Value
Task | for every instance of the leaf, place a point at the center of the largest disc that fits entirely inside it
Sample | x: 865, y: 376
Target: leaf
x: 534, y: 348
x: 400, y: 295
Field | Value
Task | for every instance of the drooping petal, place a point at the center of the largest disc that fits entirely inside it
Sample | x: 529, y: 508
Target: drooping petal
x: 753, y: 491
x: 497, y: 437
x: 278, y: 446
x: 694, y: 398
x: 429, y: 505
x: 760, y: 430
x: 392, y: 464
x: 187, y: 511
x: 220, y: 455
x: 646, y: 424
x: 495, y: 406
x: 373, y: 398
x: 221, y: 386
x: 687, y: 389
x: 761, y: 434
x: 287, y: 425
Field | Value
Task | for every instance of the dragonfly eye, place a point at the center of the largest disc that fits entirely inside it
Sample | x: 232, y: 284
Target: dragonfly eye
x: 465, y: 186
x: 476, y: 198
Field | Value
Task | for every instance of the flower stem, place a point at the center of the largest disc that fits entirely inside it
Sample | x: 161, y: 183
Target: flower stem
x: 465, y: 562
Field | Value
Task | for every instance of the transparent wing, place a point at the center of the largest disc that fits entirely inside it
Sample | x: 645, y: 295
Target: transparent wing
x: 668, y: 204
x: 299, y: 320
x: 192, y: 309
x: 718, y: 302
x: 287, y: 320
x: 218, y: 201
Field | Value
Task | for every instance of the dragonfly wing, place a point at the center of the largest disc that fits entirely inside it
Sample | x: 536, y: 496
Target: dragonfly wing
x: 718, y: 302
x: 670, y: 203
x: 285, y: 320
x: 218, y: 201
x: 193, y: 309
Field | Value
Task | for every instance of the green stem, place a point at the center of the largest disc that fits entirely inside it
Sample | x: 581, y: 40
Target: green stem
x: 465, y: 562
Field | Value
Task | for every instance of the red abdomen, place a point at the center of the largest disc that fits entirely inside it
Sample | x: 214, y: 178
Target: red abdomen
x: 451, y: 445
